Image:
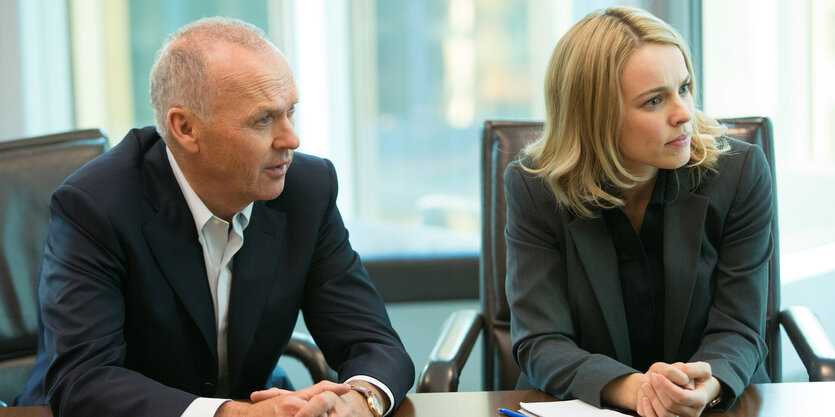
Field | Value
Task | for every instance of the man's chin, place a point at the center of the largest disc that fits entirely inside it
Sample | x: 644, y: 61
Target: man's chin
x: 273, y: 192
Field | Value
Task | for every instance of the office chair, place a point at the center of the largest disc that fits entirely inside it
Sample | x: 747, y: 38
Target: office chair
x: 501, y: 143
x: 30, y: 169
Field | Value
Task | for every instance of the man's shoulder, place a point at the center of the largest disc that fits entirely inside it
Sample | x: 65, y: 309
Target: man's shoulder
x: 120, y: 167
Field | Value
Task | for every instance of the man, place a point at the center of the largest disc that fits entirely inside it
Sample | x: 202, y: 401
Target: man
x: 176, y: 264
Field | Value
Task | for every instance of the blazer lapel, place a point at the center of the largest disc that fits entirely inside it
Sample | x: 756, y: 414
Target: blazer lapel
x: 684, y: 217
x: 597, y: 254
x: 173, y: 240
x: 253, y: 275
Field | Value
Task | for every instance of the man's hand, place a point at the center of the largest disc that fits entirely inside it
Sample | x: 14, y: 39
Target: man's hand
x: 680, y: 389
x: 320, y: 399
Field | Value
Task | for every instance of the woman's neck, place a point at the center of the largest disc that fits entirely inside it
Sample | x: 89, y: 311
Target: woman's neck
x: 636, y: 199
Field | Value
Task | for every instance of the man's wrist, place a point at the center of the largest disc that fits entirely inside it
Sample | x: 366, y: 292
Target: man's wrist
x: 384, y: 399
x: 232, y: 409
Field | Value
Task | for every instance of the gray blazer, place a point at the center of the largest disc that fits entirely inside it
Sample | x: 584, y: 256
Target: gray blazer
x: 568, y: 322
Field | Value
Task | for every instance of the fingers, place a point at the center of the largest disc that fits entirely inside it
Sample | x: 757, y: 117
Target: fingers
x: 267, y: 394
x: 695, y: 370
x: 652, y: 404
x: 648, y: 411
x: 325, y: 403
x: 324, y: 386
x: 673, y: 398
x: 671, y: 372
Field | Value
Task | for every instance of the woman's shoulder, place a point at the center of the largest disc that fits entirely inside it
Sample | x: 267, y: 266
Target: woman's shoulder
x: 519, y: 174
x: 742, y: 165
x: 740, y: 157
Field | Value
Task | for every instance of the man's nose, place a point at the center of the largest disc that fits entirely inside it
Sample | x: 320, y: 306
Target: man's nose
x: 284, y: 136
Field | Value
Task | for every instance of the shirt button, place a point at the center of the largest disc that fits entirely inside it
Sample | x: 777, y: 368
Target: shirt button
x: 208, y: 389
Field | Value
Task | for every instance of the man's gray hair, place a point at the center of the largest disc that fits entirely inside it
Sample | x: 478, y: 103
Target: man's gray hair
x: 179, y: 74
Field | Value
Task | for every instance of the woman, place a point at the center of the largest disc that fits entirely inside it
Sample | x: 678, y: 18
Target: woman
x: 637, y: 235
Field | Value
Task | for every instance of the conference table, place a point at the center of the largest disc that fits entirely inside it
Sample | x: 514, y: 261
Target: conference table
x: 759, y: 400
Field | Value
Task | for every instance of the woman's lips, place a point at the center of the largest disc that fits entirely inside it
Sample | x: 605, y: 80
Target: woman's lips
x: 681, y: 141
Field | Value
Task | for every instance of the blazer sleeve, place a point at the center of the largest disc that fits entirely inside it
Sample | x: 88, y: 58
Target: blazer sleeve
x: 732, y: 342
x: 344, y: 312
x: 83, y: 313
x: 541, y: 324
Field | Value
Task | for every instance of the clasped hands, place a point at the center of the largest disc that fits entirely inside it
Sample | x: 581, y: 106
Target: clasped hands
x: 325, y: 399
x: 679, y: 389
x: 665, y: 390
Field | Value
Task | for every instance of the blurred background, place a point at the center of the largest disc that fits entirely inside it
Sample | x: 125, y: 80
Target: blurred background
x: 395, y: 92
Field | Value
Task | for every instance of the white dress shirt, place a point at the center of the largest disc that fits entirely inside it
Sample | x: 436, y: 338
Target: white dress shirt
x: 220, y: 243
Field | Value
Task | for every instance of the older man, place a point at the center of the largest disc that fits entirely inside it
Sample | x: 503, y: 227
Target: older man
x: 176, y: 264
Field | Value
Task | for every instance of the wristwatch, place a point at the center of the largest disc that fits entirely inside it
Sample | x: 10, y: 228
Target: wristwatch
x: 715, y: 401
x: 371, y: 399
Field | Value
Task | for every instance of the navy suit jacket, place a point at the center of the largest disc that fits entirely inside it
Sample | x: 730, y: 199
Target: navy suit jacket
x: 568, y: 321
x: 128, y: 320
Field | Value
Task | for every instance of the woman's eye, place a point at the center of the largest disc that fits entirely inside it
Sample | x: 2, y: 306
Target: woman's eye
x: 654, y: 101
x: 685, y: 88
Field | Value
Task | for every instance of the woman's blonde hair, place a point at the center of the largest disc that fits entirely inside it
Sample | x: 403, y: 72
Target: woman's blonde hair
x: 577, y: 154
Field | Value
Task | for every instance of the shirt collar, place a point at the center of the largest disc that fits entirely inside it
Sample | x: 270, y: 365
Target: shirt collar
x: 659, y: 187
x: 199, y: 211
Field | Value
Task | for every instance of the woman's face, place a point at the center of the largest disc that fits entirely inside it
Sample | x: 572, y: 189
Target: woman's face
x: 657, y: 110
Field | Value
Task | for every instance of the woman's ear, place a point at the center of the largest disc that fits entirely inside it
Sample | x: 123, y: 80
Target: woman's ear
x: 184, y: 128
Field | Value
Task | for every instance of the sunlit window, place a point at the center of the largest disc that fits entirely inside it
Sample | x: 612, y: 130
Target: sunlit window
x: 394, y: 92
x: 776, y: 59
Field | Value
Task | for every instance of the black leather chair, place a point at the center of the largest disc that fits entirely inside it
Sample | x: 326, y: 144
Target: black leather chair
x: 30, y: 169
x: 501, y: 143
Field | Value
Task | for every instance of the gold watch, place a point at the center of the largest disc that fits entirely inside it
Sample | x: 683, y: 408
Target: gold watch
x: 371, y: 399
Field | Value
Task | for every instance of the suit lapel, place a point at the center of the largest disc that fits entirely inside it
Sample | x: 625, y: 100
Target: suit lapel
x: 597, y: 254
x: 684, y: 217
x: 253, y: 275
x: 173, y: 240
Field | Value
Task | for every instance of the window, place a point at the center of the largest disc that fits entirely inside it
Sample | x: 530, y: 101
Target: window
x: 395, y: 93
x: 775, y: 59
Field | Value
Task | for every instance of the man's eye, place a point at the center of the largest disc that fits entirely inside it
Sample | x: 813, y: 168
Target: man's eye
x: 264, y: 120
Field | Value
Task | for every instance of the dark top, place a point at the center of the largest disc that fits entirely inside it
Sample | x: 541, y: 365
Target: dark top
x: 568, y: 320
x: 641, y: 268
x: 128, y: 320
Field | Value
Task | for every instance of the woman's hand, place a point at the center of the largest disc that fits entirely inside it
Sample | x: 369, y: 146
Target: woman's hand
x: 679, y: 389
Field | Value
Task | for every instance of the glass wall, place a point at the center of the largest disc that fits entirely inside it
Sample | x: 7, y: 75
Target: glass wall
x: 774, y: 58
x: 394, y: 92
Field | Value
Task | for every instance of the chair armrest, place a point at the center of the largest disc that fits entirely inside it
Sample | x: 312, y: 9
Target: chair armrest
x: 810, y: 341
x: 443, y: 368
x: 303, y: 348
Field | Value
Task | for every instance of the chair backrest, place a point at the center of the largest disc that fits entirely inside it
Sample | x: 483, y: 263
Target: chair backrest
x: 501, y: 143
x: 30, y: 169
x: 758, y: 131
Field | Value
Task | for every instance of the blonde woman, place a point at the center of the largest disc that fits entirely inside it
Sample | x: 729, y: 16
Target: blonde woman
x: 638, y: 235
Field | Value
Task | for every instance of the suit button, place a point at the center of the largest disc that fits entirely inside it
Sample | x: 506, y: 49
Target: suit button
x: 208, y: 389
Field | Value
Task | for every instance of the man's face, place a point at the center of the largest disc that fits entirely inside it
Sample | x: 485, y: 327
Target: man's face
x: 246, y: 148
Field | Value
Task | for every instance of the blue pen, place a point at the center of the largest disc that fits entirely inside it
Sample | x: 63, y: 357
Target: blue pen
x: 509, y: 413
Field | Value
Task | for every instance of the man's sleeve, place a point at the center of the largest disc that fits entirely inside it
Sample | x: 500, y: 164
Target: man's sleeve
x: 83, y: 313
x: 346, y: 315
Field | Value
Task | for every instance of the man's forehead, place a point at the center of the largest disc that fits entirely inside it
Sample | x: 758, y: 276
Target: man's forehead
x: 247, y: 73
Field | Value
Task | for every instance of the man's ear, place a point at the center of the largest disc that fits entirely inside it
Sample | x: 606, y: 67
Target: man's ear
x: 183, y: 125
